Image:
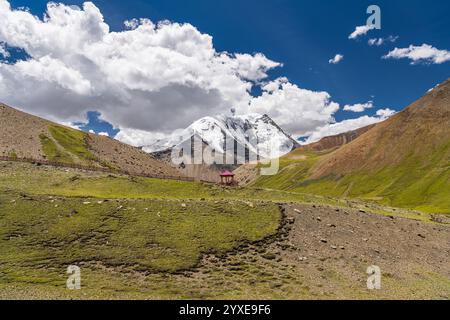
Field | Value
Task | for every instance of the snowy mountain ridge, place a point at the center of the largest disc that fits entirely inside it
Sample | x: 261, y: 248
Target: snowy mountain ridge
x: 259, y: 133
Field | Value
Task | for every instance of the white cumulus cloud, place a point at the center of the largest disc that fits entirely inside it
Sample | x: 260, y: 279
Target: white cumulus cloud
x: 424, y: 53
x: 337, y: 58
x: 150, y: 77
x: 385, y: 113
x: 54, y: 71
x: 295, y: 109
x: 360, y: 31
x: 359, y: 107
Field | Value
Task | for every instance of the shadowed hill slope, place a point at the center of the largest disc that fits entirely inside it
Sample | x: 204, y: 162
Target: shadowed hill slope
x: 26, y: 136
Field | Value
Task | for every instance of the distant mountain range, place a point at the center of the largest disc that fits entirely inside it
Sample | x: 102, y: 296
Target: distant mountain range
x: 235, y: 139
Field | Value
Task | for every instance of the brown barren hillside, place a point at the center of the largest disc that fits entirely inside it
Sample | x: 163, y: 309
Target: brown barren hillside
x: 335, y: 141
x: 26, y: 136
x: 419, y: 131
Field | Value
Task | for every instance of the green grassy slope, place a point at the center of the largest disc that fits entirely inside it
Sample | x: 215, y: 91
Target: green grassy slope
x: 421, y: 184
x: 41, y: 180
x: 52, y: 152
x: 157, y: 230
x: 72, y: 141
x: 65, y: 145
x: 143, y: 234
x: 294, y: 168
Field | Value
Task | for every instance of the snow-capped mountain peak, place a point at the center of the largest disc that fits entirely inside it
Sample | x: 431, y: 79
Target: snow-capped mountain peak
x: 259, y: 133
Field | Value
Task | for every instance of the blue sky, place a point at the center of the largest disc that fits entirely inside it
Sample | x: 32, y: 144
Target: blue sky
x: 304, y: 35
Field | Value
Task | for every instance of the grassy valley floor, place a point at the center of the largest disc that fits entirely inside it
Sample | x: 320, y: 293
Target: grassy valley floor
x: 137, y: 238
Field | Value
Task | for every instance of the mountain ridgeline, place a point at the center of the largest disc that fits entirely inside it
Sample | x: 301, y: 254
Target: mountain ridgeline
x: 259, y: 133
